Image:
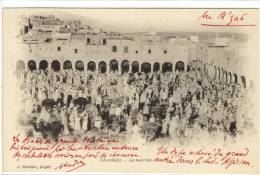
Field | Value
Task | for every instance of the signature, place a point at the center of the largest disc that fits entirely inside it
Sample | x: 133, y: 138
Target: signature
x: 71, y: 166
x: 224, y: 19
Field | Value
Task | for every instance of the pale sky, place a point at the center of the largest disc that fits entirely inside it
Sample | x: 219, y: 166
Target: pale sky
x: 141, y: 20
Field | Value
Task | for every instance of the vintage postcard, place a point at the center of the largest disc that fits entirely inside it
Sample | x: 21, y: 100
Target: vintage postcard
x: 130, y: 90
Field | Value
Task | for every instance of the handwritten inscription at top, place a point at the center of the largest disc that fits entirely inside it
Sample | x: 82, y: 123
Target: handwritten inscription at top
x: 224, y: 18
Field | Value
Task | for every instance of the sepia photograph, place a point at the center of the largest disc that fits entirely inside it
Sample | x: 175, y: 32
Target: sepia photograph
x: 130, y: 90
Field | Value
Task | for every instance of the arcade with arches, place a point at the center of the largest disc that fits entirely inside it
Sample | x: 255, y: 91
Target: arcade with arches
x: 126, y: 66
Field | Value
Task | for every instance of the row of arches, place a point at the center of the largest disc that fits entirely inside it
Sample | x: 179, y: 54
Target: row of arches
x: 220, y: 73
x: 217, y: 72
x: 102, y: 66
x: 135, y: 66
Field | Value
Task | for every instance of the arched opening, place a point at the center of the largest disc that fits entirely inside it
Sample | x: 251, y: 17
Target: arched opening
x: 125, y: 66
x: 20, y: 66
x: 222, y: 73
x: 113, y: 65
x: 167, y: 67
x: 102, y: 67
x: 67, y: 65
x: 79, y: 65
x: 156, y: 67
x: 146, y: 67
x: 219, y: 73
x: 32, y: 65
x: 43, y: 65
x: 235, y: 78
x: 92, y: 66
x: 225, y: 76
x: 188, y: 68
x: 243, y: 79
x: 229, y: 77
x: 55, y: 65
x: 179, y: 66
x: 215, y: 72
x: 135, y: 66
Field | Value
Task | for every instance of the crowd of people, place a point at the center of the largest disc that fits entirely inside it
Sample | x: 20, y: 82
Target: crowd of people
x: 143, y: 106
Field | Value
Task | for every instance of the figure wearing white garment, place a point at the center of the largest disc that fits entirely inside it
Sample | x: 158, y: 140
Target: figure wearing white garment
x: 85, y: 121
x: 77, y: 125
x: 72, y: 117
x: 44, y: 115
x: 64, y: 121
x: 136, y: 136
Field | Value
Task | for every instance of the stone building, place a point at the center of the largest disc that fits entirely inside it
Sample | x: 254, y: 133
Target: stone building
x: 147, y: 52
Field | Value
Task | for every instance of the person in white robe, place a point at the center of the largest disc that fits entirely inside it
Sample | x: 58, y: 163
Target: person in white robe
x: 146, y: 108
x: 85, y: 121
x: 203, y: 114
x: 136, y: 136
x: 98, y: 122
x: 77, y: 125
x: 56, y: 95
x: 140, y: 118
x: 129, y: 125
x: 64, y: 121
x: 152, y: 119
x: 166, y: 124
x: 173, y: 126
x: 72, y: 117
x: 118, y: 111
x: 44, y: 115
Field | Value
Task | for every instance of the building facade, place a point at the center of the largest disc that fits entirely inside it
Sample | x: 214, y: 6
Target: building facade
x: 57, y: 48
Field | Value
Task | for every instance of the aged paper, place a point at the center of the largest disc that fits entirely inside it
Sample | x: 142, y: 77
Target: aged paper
x: 130, y: 90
